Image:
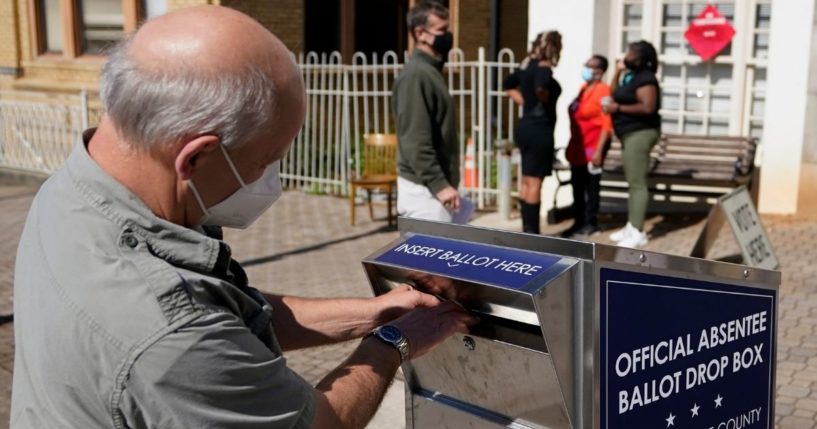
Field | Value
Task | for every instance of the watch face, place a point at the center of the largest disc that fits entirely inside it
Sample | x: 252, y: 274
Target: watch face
x: 390, y: 334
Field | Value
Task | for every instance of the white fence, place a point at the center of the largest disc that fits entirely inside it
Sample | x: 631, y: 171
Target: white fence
x: 344, y: 102
x: 38, y: 131
x: 347, y: 101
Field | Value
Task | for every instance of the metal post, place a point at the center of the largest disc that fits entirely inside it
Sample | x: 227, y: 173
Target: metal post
x: 83, y: 101
x: 504, y: 148
x: 481, y: 125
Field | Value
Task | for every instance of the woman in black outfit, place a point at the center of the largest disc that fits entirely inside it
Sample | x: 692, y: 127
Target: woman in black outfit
x: 635, y: 106
x: 533, y: 87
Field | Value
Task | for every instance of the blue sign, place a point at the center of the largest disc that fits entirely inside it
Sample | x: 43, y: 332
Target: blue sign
x: 500, y: 266
x: 680, y: 353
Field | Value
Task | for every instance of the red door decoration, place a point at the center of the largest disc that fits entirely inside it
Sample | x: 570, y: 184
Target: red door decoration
x: 709, y: 33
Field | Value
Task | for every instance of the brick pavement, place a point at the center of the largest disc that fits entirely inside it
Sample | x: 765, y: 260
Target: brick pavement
x: 305, y: 246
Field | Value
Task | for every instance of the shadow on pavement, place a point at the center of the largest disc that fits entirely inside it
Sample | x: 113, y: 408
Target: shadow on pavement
x: 672, y: 222
x: 313, y: 247
x: 16, y: 196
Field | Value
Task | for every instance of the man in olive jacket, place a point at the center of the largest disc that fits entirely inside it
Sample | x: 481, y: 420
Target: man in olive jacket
x: 429, y: 158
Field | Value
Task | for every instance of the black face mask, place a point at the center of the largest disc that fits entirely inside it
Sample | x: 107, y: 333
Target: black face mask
x: 630, y: 64
x: 443, y: 44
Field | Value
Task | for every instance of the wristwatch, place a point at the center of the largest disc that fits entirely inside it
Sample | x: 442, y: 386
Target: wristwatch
x: 389, y: 334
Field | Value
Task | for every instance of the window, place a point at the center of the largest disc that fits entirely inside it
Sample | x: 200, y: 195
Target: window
x: 723, y: 96
x: 696, y: 96
x: 51, y: 25
x: 756, y: 70
x: 631, y: 29
x: 74, y: 28
x: 101, y: 24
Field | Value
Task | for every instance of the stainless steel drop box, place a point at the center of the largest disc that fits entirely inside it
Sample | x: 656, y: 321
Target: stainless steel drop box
x: 559, y: 322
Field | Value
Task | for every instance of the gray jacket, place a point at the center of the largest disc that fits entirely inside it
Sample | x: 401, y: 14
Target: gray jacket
x: 123, y: 319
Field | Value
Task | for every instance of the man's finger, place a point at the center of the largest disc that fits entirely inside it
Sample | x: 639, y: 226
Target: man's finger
x: 455, y: 202
x: 427, y: 300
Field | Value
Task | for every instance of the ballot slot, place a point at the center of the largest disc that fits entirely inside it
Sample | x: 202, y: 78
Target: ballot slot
x: 503, y: 316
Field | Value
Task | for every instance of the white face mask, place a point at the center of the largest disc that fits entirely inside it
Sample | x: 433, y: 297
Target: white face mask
x: 247, y: 203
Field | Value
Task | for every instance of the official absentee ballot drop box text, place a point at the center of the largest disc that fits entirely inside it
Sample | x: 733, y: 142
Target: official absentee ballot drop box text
x: 583, y: 335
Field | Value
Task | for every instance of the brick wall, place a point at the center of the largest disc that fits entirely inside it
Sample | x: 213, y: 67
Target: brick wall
x: 284, y: 18
x: 474, y: 26
x: 9, y: 46
x: 513, y: 26
x: 181, y: 4
x: 22, y: 34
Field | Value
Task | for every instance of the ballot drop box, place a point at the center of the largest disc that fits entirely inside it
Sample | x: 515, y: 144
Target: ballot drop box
x: 582, y: 335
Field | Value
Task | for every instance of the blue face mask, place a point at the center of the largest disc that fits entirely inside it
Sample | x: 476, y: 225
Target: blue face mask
x: 587, y: 74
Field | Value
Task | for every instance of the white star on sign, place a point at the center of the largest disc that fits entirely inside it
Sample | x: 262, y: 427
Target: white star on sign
x: 718, y: 401
x: 695, y: 410
x: 670, y: 420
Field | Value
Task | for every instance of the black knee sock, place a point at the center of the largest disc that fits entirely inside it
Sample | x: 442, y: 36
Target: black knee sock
x: 530, y: 217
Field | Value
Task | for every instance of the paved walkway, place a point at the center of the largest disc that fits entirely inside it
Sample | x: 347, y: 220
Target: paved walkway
x: 305, y: 246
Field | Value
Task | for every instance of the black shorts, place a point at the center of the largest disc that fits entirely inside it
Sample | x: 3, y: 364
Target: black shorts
x: 535, y: 141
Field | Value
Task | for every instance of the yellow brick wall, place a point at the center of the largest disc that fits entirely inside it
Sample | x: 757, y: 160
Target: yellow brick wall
x: 181, y: 4
x: 9, y: 45
x: 283, y: 17
x: 22, y: 30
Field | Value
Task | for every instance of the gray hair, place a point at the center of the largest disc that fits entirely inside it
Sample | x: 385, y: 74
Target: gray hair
x: 166, y: 105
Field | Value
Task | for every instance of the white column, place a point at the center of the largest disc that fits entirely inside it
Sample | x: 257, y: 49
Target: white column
x: 810, y: 148
x: 786, y: 95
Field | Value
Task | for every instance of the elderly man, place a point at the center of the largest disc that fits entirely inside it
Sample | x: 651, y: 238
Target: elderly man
x: 130, y: 312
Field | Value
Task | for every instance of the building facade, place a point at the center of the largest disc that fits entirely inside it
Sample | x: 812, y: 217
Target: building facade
x: 764, y: 84
x: 59, y: 45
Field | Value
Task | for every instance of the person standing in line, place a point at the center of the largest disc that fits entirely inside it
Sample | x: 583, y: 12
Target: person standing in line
x: 590, y: 132
x: 428, y: 157
x: 533, y: 87
x: 637, y: 123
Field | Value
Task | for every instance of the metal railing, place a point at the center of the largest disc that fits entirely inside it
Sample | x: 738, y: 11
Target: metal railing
x: 344, y: 102
x: 37, y: 130
x: 347, y: 101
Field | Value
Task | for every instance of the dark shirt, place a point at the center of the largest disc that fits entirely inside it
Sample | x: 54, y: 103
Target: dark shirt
x: 428, y: 148
x: 625, y: 94
x: 528, y: 80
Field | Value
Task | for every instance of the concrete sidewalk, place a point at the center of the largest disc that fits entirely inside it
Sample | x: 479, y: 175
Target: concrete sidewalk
x: 305, y: 246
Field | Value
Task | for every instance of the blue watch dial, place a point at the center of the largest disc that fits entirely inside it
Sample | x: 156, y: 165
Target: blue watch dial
x: 390, y: 334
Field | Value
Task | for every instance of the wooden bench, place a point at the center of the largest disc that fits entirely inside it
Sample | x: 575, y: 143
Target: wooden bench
x: 686, y: 174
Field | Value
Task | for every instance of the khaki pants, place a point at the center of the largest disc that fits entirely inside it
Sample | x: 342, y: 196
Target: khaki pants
x: 416, y: 201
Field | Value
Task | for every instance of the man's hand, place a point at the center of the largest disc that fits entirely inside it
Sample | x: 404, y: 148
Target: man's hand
x: 435, y: 285
x: 349, y: 395
x: 450, y: 198
x: 429, y: 326
x: 400, y: 301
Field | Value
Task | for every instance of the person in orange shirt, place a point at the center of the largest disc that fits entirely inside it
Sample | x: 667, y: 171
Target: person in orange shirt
x: 590, y: 133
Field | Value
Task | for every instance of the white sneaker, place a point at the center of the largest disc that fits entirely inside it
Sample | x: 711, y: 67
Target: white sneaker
x: 634, y: 240
x: 623, y: 233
